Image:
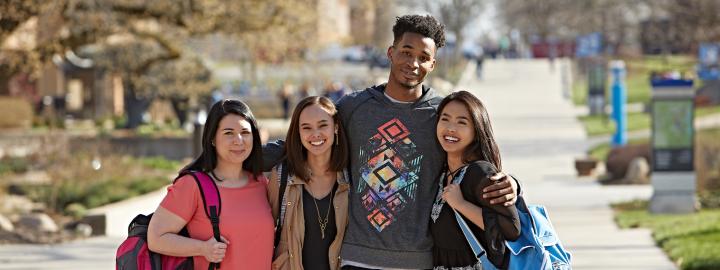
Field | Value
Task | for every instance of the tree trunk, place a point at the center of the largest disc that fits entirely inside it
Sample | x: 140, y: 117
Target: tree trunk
x: 135, y: 106
x: 180, y: 107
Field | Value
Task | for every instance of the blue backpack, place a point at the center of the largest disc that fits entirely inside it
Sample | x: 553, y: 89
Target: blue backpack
x: 538, y: 246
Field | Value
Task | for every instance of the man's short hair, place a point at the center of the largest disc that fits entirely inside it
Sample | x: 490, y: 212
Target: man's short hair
x: 426, y: 25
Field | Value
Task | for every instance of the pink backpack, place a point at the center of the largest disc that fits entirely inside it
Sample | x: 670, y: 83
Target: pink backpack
x: 133, y: 253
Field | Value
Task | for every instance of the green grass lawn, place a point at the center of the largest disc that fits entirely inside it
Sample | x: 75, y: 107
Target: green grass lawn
x: 691, y: 240
x: 601, y: 151
x: 579, y: 91
x: 637, y: 78
x: 604, y: 125
x: 704, y: 111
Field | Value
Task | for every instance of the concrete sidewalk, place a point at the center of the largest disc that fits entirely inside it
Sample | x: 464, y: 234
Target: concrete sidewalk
x: 539, y: 138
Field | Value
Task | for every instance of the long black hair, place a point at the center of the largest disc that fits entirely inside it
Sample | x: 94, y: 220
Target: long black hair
x: 424, y: 25
x: 483, y: 147
x: 208, y: 157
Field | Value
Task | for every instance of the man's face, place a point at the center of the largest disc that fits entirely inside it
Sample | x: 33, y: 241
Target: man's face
x: 411, y: 58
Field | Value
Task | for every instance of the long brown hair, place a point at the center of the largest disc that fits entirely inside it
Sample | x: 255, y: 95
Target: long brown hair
x: 296, y: 153
x: 483, y: 146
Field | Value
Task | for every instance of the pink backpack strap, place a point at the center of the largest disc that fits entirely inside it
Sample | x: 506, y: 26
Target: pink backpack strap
x: 209, y: 191
x: 211, y: 202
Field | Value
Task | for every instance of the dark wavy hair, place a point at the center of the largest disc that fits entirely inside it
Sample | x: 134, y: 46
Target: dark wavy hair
x: 208, y: 157
x: 296, y: 153
x: 426, y: 26
x: 483, y: 147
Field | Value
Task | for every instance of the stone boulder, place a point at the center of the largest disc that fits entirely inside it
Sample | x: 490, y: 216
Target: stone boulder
x: 18, y: 204
x: 39, y: 222
x: 83, y: 230
x: 5, y: 224
x: 619, y: 159
x: 638, y: 172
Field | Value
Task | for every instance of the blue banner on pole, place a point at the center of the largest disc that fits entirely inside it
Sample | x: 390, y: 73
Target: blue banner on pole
x: 709, y: 64
x: 589, y: 45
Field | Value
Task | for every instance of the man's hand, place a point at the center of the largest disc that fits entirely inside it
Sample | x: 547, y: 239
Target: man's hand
x: 503, y: 191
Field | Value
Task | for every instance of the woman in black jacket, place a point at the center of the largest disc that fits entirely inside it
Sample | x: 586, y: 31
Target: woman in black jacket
x: 465, y: 133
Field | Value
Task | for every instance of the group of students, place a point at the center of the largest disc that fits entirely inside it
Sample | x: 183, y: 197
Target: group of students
x: 372, y: 181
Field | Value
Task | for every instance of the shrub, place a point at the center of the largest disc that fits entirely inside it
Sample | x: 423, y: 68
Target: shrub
x: 709, y: 199
x: 707, y: 159
x: 76, y: 184
x: 13, y: 165
x: 160, y: 163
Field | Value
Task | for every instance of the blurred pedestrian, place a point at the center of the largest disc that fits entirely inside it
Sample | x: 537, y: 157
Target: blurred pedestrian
x: 479, y: 59
x: 285, y: 95
x: 304, y: 91
x: 335, y: 91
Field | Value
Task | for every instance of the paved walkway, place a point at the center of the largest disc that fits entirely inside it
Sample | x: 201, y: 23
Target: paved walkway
x: 539, y: 138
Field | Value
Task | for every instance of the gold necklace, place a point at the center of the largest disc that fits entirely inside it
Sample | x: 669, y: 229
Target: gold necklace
x: 323, y: 222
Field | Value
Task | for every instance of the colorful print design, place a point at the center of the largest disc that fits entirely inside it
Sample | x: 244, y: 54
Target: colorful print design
x: 389, y: 174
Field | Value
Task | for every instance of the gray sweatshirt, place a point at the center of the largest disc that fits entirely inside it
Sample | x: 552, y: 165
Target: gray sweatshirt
x: 395, y: 161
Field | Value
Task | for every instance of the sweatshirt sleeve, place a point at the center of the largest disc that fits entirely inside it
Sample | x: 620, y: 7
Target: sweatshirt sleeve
x: 272, y: 154
x: 501, y: 222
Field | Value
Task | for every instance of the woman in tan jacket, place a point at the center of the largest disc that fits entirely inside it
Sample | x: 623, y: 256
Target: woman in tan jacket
x: 315, y: 203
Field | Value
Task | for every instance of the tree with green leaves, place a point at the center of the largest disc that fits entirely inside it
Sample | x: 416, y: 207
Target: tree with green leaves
x: 143, y: 40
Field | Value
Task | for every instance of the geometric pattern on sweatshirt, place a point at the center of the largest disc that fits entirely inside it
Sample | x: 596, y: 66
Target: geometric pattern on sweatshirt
x: 389, y: 173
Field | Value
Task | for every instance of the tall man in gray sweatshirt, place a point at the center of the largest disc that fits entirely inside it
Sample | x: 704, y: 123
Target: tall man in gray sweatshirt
x: 395, y: 160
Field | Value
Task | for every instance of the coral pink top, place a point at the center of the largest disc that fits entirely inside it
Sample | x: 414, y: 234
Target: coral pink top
x: 245, y: 221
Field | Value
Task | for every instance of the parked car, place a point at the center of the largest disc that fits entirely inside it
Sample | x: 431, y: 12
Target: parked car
x: 378, y: 59
x: 355, y: 54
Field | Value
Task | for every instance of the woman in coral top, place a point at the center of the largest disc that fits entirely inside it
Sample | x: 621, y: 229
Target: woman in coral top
x: 231, y: 156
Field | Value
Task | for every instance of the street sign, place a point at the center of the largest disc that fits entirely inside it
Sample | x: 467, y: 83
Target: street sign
x: 673, y: 143
x: 597, y: 78
x: 672, y: 135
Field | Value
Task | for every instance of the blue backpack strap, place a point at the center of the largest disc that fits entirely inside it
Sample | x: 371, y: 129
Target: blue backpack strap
x: 474, y: 243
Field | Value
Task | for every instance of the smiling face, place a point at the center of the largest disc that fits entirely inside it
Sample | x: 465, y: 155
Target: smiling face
x: 412, y: 58
x: 317, y: 130
x: 455, y: 128
x: 233, y: 139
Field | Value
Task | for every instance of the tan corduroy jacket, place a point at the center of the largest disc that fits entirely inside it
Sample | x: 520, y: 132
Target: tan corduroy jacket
x: 288, y: 254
